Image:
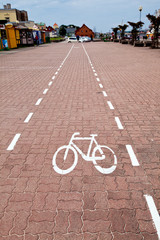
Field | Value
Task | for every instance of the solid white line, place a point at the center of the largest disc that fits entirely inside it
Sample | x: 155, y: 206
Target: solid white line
x: 50, y: 83
x: 119, y: 124
x: 38, y: 102
x: 45, y: 91
x: 110, y: 105
x: 53, y: 77
x: 28, y: 118
x: 132, y: 155
x: 105, y: 94
x: 154, y: 213
x: 14, y: 141
x: 101, y: 86
x: 98, y: 80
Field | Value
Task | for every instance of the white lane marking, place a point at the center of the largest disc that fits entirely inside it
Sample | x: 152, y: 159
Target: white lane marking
x: 39, y: 101
x: 87, y: 54
x: 28, y: 118
x: 14, y: 141
x: 53, y: 77
x: 67, y: 55
x: 58, y: 69
x: 95, y: 74
x: 119, y: 124
x: 45, y: 91
x: 50, y: 83
x: 98, y: 80
x: 132, y: 155
x: 154, y: 213
x: 94, y: 70
x: 56, y: 73
x: 110, y: 105
x: 101, y: 86
x: 105, y: 94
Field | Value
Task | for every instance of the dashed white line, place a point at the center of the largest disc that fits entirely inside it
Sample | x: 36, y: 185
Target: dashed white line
x: 110, y: 105
x: 132, y: 155
x: 98, y: 80
x: 50, y: 83
x: 28, y: 118
x: 14, y: 141
x: 38, y: 101
x: 95, y: 74
x: 105, y: 94
x: 45, y: 91
x: 101, y: 86
x: 119, y: 124
x: 53, y: 77
x: 154, y: 213
x: 94, y: 70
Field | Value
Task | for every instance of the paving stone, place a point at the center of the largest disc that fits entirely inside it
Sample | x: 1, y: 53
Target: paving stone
x: 96, y: 226
x: 75, y: 220
x: 61, y: 222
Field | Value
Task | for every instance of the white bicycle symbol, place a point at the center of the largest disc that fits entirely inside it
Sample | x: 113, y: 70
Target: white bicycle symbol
x: 88, y: 157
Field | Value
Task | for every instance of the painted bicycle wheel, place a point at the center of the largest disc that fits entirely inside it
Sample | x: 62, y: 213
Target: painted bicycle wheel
x: 66, y: 157
x: 110, y: 159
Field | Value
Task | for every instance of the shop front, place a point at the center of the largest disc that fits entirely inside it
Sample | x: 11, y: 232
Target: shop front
x: 3, y: 37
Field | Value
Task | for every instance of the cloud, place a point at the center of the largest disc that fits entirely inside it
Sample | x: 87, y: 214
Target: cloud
x: 103, y: 14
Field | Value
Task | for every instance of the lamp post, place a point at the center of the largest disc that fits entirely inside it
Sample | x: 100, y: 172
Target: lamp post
x: 140, y: 10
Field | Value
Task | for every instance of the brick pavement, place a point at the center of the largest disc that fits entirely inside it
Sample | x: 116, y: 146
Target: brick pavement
x: 37, y: 202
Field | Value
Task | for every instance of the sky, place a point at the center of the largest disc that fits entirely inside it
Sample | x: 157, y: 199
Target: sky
x: 99, y: 15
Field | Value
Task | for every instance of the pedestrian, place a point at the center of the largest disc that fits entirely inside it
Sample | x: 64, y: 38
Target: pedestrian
x: 37, y: 40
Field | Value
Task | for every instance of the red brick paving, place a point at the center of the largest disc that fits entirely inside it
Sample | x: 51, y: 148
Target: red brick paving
x: 38, y: 203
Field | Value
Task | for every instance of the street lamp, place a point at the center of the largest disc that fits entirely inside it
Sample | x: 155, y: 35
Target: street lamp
x: 140, y: 10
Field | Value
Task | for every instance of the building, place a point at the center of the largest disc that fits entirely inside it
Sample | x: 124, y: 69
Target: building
x: 70, y: 30
x: 12, y: 14
x: 84, y: 31
x: 41, y: 26
x: 51, y: 32
x: 55, y: 26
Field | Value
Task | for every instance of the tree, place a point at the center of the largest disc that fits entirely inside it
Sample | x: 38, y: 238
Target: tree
x: 115, y: 30
x: 135, y: 27
x: 155, y: 21
x: 101, y: 35
x: 123, y: 28
x: 62, y: 30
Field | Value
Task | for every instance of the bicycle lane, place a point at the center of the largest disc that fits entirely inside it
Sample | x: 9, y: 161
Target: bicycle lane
x: 74, y: 206
x: 24, y: 77
x: 138, y: 180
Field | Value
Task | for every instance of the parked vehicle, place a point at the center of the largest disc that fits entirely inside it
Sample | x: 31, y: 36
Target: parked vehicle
x: 84, y: 39
x: 72, y: 39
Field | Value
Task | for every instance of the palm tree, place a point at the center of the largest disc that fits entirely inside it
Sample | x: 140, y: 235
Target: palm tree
x: 115, y: 30
x: 135, y: 27
x: 155, y: 21
x: 123, y: 28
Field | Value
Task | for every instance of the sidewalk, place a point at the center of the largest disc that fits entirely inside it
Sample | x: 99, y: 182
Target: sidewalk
x: 47, y: 95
